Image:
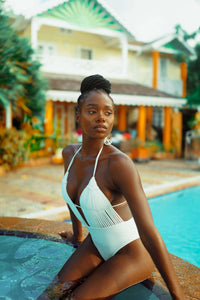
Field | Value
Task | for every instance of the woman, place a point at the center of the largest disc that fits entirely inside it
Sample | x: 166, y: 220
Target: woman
x: 103, y: 191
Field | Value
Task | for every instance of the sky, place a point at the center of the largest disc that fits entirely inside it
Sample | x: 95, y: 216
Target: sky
x: 150, y: 19
x: 147, y: 19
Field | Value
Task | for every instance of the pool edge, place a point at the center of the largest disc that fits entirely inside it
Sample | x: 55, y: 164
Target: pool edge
x: 189, y: 275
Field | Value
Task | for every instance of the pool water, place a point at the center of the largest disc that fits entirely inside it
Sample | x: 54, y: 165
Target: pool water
x: 28, y: 265
x: 177, y: 217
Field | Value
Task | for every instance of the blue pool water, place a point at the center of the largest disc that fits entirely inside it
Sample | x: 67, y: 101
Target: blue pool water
x: 28, y: 265
x: 177, y: 217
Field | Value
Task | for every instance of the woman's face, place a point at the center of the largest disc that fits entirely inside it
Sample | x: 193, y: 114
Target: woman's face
x: 96, y: 116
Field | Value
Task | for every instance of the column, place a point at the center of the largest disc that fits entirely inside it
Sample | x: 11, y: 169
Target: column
x: 122, y: 117
x: 48, y: 125
x: 167, y: 128
x: 155, y: 60
x: 141, y: 124
x: 149, y: 112
x: 197, y: 118
x: 35, y: 26
x: 8, y: 109
x: 177, y: 126
x: 124, y: 45
x: 183, y: 67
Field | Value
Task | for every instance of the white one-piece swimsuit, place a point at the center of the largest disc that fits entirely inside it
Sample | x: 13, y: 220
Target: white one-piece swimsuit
x: 108, y: 230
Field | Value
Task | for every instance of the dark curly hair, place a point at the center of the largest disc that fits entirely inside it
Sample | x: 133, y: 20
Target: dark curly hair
x: 93, y: 83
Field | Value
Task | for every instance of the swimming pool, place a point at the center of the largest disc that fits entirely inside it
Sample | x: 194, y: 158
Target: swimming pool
x: 28, y: 265
x: 177, y: 217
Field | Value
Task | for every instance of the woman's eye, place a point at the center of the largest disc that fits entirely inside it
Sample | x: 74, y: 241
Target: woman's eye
x: 108, y: 113
x: 91, y: 112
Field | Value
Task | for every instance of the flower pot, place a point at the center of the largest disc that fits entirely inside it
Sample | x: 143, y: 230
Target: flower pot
x: 140, y: 154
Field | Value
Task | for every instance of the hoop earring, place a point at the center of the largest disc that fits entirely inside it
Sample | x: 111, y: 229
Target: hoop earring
x: 108, y: 140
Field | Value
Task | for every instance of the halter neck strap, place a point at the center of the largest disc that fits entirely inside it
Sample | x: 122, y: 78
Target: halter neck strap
x: 73, y: 158
x: 96, y: 161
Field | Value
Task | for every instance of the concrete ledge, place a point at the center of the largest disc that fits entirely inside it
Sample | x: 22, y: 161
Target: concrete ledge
x: 189, y: 275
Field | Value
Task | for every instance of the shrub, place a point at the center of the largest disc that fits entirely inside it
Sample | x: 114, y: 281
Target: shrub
x: 13, y: 149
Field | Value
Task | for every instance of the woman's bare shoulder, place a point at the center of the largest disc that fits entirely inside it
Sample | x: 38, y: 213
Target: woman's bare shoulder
x: 70, y: 149
x: 120, y: 163
x: 118, y: 158
x: 68, y: 152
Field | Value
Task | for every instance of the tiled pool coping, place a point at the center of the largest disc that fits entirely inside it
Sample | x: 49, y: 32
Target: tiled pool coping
x: 189, y: 275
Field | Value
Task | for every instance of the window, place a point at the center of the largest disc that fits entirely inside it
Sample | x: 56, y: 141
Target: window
x: 85, y: 53
x: 46, y: 48
x: 163, y: 67
x: 40, y: 49
x: 158, y: 117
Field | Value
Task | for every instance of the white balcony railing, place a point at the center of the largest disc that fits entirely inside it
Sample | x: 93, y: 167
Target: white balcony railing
x: 74, y: 66
x: 173, y: 87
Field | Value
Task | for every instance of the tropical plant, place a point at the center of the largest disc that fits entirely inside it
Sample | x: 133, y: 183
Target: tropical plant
x: 13, y: 147
x: 21, y: 82
x: 193, y: 82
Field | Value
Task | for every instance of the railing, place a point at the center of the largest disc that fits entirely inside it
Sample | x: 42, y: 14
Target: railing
x: 173, y: 87
x: 166, y: 85
x: 74, y: 66
x: 55, y: 64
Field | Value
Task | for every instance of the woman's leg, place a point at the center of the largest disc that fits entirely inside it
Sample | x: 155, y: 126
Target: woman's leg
x: 81, y: 263
x: 130, y: 265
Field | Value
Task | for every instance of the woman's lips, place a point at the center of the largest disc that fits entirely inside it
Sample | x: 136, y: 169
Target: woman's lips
x: 100, y: 128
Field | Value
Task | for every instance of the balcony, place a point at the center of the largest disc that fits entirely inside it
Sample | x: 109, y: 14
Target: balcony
x: 75, y: 66
x: 173, y: 87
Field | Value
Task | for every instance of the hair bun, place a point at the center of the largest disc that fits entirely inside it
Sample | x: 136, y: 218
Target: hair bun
x: 95, y: 82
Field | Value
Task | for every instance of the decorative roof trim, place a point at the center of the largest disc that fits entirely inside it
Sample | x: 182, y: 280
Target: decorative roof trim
x: 159, y: 44
x: 120, y: 99
x: 53, y: 3
x: 117, y: 17
x: 63, y: 24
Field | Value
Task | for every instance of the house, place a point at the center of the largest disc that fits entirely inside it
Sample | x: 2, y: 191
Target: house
x: 76, y: 38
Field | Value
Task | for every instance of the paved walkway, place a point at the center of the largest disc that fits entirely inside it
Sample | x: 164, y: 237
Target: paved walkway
x: 36, y: 192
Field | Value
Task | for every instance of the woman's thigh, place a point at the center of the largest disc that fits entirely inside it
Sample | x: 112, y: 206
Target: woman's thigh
x: 129, y: 266
x: 81, y: 263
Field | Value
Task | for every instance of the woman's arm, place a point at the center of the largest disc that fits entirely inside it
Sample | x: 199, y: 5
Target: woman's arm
x: 126, y: 179
x: 77, y: 234
x: 77, y: 228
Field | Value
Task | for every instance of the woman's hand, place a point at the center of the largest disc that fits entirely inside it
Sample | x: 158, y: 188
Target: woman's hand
x: 67, y: 235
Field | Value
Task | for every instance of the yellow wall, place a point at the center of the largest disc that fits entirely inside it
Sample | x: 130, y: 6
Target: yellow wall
x: 143, y: 64
x: 174, y: 70
x: 173, y: 67
x: 68, y: 44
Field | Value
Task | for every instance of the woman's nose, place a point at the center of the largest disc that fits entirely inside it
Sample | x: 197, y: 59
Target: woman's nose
x: 100, y: 117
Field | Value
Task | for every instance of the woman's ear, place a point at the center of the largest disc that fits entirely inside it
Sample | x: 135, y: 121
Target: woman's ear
x: 77, y: 116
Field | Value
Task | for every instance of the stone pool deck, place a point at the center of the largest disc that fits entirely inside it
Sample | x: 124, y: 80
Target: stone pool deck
x: 31, y: 201
x: 35, y: 192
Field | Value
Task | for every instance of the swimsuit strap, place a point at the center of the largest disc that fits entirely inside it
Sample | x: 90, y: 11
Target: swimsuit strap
x: 73, y: 158
x: 96, y: 161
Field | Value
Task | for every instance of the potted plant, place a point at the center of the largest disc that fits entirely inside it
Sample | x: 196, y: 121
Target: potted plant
x: 139, y: 151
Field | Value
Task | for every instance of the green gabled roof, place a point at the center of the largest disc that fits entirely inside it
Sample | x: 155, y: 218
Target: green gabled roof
x: 176, y: 45
x: 86, y: 14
